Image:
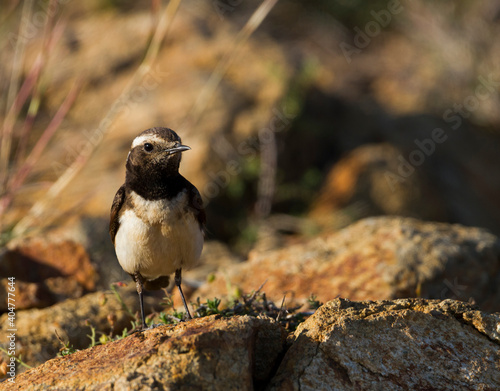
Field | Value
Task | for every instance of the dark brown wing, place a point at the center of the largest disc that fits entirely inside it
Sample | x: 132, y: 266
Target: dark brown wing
x: 114, y: 221
x: 196, y: 206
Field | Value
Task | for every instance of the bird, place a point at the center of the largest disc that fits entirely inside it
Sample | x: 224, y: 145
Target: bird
x: 157, y: 219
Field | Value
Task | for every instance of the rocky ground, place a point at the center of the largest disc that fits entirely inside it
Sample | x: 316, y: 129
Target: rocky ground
x: 375, y: 258
x: 407, y: 344
x: 394, y: 342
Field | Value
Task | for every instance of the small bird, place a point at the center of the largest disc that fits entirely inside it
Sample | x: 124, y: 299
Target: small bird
x: 157, y: 218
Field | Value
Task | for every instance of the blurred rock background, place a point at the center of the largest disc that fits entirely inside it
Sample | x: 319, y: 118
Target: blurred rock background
x: 330, y: 112
x: 317, y: 115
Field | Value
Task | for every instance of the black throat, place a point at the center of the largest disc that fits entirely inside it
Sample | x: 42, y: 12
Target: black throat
x: 154, y: 185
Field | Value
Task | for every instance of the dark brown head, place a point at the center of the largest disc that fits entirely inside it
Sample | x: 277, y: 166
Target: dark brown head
x: 154, y: 157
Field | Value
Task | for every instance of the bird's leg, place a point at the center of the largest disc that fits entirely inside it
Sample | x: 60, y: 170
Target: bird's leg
x: 139, y: 285
x: 178, y: 279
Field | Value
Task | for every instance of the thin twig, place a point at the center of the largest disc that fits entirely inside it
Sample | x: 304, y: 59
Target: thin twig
x: 19, y: 53
x: 38, y: 209
x: 282, y: 310
x: 52, y: 36
x: 223, y: 65
x: 17, y: 97
x: 22, y: 173
x: 120, y: 300
x: 254, y: 294
x: 161, y: 31
x: 172, y: 318
x: 12, y: 6
x: 10, y: 118
x: 267, y: 177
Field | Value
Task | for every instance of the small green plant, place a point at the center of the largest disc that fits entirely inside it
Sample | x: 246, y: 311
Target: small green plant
x: 211, y: 307
x: 173, y: 318
x: 18, y: 359
x: 124, y: 334
x: 66, y: 349
x: 314, y: 304
x: 92, y: 335
x: 167, y: 300
x: 119, y: 298
x: 253, y: 304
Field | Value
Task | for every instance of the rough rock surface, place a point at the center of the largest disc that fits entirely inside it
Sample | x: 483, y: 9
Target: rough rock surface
x: 203, y: 354
x: 376, y: 259
x: 407, y: 344
x: 404, y: 344
x: 47, y: 271
x: 36, y: 339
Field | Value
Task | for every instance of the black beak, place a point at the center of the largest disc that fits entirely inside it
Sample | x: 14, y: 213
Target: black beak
x: 180, y: 148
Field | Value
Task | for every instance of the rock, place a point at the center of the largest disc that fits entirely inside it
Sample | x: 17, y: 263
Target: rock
x: 403, y: 344
x: 215, y: 256
x: 28, y: 295
x: 363, y: 182
x: 36, y: 339
x: 210, y: 353
x: 407, y: 344
x: 37, y: 259
x: 375, y: 259
x: 47, y: 271
x: 40, y: 294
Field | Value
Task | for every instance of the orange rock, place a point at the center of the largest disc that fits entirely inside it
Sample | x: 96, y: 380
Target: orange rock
x: 216, y: 353
x: 46, y: 272
x: 374, y: 259
x: 406, y: 344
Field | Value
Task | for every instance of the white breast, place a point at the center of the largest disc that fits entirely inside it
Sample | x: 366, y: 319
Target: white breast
x: 158, y: 237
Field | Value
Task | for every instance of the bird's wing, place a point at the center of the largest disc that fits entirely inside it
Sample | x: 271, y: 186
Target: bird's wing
x: 114, y: 221
x: 196, y: 205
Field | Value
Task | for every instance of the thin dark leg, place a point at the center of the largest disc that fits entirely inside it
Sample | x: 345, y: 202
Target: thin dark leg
x: 139, y: 284
x: 178, y: 280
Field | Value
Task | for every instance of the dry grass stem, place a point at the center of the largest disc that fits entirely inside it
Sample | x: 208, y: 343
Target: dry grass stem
x: 36, y: 213
x: 223, y: 65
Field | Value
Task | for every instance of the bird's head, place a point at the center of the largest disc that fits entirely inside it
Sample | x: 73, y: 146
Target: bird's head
x: 155, y: 153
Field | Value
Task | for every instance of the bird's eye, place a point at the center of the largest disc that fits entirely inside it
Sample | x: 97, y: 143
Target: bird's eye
x: 148, y: 147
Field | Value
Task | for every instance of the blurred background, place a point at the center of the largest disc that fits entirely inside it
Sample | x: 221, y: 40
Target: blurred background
x: 303, y: 117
